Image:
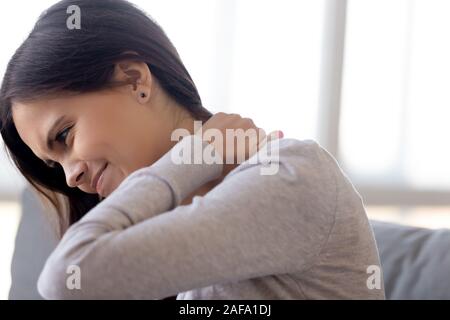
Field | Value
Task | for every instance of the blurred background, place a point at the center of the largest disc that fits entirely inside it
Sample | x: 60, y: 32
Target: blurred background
x: 367, y: 79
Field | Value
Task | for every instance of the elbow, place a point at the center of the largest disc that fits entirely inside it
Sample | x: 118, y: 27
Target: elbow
x: 62, y: 279
x: 57, y: 282
x: 49, y: 290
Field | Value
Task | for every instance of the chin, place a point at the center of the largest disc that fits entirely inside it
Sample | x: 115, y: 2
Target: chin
x: 88, y: 191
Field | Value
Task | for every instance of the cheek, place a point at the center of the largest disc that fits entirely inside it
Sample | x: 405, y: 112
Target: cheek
x: 139, y: 145
x: 91, y: 139
x: 141, y: 151
x: 90, y: 147
x: 127, y: 140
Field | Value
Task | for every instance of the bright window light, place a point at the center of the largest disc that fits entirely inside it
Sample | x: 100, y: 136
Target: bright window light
x: 395, y: 102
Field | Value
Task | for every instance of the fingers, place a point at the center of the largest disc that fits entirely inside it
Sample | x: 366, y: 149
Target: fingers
x: 222, y: 122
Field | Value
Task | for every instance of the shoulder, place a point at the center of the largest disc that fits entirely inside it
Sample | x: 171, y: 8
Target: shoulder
x: 304, y: 161
x: 300, y: 197
x: 299, y: 171
x: 306, y: 149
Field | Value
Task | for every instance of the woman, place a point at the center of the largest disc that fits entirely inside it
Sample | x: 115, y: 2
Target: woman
x: 87, y: 116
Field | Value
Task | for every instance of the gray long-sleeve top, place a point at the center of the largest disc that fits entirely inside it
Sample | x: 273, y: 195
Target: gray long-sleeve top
x: 301, y: 233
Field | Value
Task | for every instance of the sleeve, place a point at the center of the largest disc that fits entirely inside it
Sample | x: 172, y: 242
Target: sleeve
x: 139, y: 243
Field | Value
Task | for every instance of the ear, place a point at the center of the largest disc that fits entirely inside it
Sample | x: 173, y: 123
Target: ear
x: 138, y: 75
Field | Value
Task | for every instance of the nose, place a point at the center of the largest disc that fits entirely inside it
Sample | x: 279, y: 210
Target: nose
x: 76, y: 174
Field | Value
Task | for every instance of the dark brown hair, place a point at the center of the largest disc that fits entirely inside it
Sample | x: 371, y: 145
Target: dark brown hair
x: 56, y: 60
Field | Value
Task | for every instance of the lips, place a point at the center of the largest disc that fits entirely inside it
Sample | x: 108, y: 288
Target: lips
x: 94, y: 182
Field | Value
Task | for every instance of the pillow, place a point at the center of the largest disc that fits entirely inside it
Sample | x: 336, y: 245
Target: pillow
x: 35, y: 240
x: 415, y: 261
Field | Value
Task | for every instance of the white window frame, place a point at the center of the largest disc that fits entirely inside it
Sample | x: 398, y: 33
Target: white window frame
x: 330, y: 110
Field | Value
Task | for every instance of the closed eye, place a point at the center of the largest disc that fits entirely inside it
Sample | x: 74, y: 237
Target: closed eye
x: 63, y: 134
x: 61, y: 137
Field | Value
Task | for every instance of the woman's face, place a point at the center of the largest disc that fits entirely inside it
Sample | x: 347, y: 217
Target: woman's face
x: 113, y: 128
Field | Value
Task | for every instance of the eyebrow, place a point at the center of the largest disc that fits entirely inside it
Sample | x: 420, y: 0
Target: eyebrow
x: 51, y: 132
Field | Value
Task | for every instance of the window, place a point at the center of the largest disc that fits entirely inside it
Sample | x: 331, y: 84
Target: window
x: 276, y: 63
x: 395, y: 99
x: 16, y: 21
x: 395, y: 109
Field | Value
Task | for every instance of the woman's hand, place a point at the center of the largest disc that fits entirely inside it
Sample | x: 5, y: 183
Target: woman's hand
x: 239, y: 149
x: 223, y: 121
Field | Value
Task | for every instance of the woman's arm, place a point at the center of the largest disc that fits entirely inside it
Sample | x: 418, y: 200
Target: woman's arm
x: 250, y: 225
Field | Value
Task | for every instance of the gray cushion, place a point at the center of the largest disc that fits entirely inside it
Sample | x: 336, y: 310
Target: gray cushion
x: 34, y: 243
x: 415, y: 261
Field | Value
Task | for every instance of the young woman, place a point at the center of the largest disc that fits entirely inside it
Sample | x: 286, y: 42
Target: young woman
x: 87, y: 116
